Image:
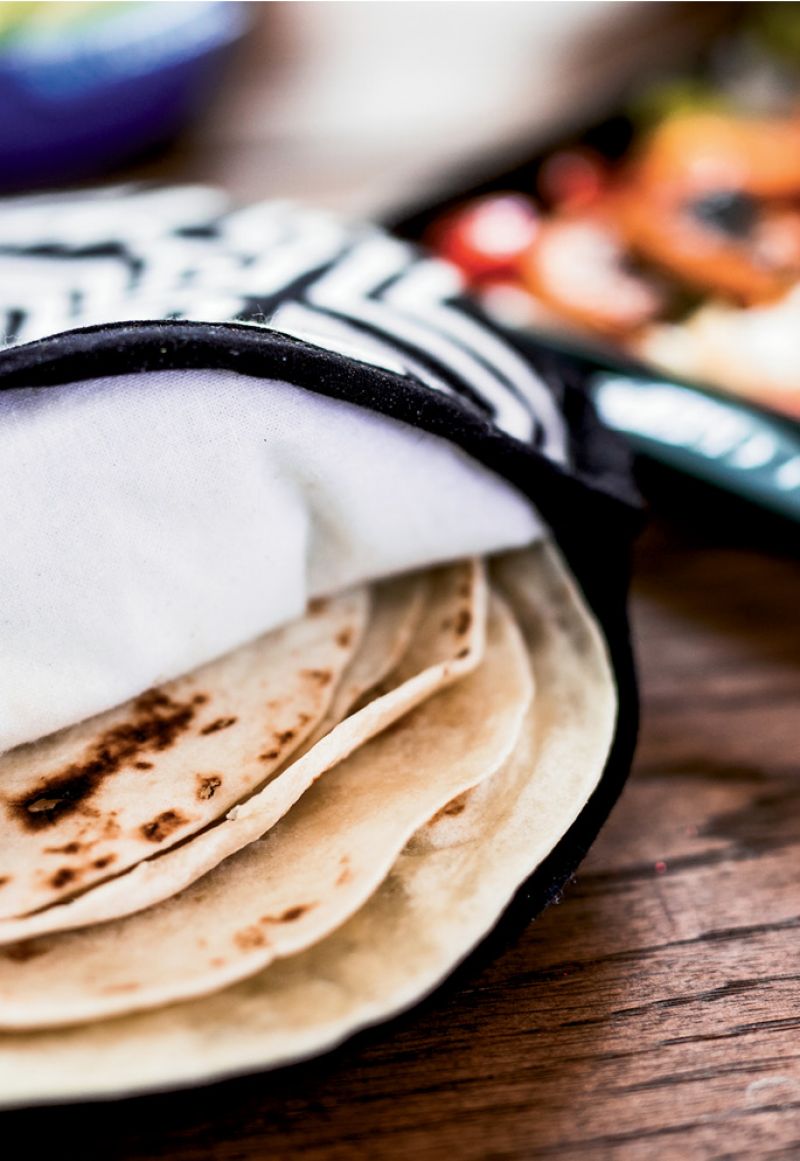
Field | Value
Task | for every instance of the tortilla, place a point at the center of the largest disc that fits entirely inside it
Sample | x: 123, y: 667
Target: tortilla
x: 448, y: 644
x: 94, y: 799
x: 443, y: 894
x: 397, y: 606
x: 314, y: 869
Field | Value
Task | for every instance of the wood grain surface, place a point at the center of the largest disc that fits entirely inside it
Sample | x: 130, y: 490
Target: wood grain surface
x: 655, y: 1011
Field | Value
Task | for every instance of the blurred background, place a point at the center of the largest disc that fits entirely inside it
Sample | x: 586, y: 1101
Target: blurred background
x: 619, y: 180
x: 348, y: 103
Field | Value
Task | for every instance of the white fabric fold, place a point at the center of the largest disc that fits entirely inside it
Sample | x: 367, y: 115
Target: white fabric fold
x: 152, y: 522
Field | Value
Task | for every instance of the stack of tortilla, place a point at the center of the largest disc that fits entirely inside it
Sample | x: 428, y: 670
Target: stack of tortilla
x: 240, y: 868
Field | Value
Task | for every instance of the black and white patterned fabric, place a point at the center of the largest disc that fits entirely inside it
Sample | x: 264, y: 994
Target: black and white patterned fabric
x: 235, y: 287
x: 177, y: 254
x: 139, y: 280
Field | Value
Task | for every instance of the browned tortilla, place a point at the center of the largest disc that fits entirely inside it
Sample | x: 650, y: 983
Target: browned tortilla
x: 443, y: 893
x: 290, y: 889
x: 94, y: 799
x: 449, y: 643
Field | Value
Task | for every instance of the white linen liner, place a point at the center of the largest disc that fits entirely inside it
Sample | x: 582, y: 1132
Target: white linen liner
x: 154, y: 521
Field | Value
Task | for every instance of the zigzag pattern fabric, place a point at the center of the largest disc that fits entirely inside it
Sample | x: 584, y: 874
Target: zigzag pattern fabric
x: 181, y: 253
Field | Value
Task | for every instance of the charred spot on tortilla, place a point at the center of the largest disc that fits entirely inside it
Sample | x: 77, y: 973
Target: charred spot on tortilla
x: 143, y: 765
x: 111, y: 827
x: 249, y: 938
x: 463, y: 622
x: 344, y: 638
x: 63, y: 877
x: 54, y: 798
x: 345, y: 873
x: 290, y: 915
x: 4, y: 879
x: 156, y: 724
x: 67, y: 876
x: 70, y: 848
x: 208, y: 785
x: 162, y: 825
x: 321, y: 676
x: 283, y: 738
x: 454, y: 807
x: 219, y: 724
x: 27, y: 950
x: 318, y: 605
x: 161, y: 720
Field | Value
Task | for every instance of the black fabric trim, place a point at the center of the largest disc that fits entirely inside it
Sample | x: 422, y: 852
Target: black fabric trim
x: 131, y: 347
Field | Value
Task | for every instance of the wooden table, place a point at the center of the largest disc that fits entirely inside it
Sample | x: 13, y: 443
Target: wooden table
x: 654, y: 1012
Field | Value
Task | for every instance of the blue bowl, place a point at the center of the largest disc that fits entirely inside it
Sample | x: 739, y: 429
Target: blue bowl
x: 81, y: 95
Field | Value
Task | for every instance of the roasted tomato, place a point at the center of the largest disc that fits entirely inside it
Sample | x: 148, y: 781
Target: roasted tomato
x: 572, y: 179
x: 689, y: 154
x: 486, y: 238
x: 707, y: 197
x: 580, y: 267
x: 726, y: 241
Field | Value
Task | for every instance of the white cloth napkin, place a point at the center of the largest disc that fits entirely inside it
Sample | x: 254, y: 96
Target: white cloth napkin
x: 152, y: 522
